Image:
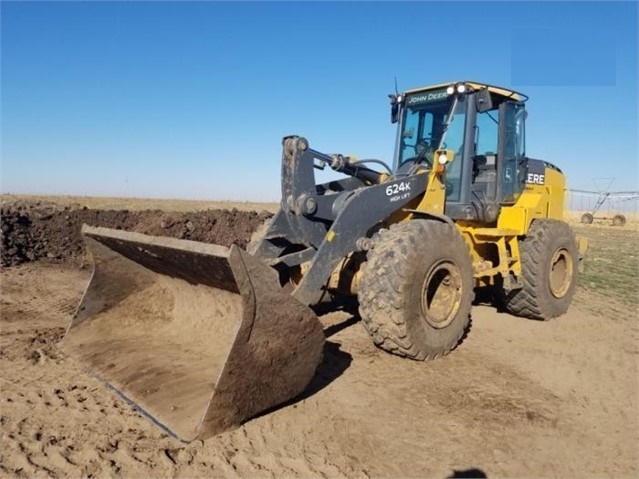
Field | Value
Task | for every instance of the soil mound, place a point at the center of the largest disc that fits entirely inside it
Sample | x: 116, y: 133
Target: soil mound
x: 33, y: 231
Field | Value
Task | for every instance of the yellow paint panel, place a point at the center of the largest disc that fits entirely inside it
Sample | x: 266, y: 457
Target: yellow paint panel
x: 513, y: 218
x: 434, y: 199
x: 494, y: 232
x: 556, y: 186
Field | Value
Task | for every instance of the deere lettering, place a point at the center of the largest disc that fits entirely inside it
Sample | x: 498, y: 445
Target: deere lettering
x: 535, y: 179
x: 425, y: 97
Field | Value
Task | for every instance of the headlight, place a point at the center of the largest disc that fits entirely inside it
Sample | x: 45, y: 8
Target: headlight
x: 450, y: 90
x: 443, y: 159
x: 461, y: 88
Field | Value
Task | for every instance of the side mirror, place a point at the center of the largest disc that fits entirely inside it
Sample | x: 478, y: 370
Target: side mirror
x: 394, y: 113
x: 483, y: 100
x: 394, y: 101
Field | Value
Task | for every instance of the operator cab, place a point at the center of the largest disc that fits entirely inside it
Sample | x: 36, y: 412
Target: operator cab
x: 482, y: 126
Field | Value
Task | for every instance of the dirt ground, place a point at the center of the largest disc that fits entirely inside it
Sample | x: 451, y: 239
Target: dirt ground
x: 518, y: 398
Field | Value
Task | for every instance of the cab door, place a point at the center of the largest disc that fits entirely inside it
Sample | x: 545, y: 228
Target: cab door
x: 512, y: 152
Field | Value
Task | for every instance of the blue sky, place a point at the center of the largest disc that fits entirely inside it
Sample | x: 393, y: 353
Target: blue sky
x: 191, y: 100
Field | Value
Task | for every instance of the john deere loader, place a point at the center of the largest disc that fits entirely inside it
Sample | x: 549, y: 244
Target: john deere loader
x: 202, y: 337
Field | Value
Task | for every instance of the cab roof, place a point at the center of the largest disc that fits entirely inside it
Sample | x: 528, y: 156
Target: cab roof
x: 497, y: 90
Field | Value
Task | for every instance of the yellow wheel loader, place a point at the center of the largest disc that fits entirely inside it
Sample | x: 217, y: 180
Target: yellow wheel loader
x: 202, y: 337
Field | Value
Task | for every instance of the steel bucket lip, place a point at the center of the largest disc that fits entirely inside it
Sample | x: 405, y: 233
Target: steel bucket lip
x: 166, y: 241
x: 148, y: 415
x: 166, y: 255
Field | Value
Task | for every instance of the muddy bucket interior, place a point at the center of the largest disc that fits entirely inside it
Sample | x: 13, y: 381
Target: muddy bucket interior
x: 199, y: 337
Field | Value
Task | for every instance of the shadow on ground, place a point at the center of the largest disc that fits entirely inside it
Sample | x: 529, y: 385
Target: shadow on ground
x: 468, y: 474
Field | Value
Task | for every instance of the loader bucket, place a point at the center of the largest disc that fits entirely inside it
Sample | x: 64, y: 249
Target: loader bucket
x: 199, y: 337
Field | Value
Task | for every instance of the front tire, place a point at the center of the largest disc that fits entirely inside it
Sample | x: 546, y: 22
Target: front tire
x: 416, y: 289
x: 550, y: 269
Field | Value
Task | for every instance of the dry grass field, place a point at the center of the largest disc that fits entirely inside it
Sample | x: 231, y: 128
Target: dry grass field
x: 604, y: 219
x: 140, y: 204
x: 517, y: 398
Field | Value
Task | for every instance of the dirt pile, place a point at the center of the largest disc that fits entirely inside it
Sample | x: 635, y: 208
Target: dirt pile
x: 32, y: 231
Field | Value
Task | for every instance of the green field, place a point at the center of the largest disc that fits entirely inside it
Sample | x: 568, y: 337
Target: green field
x: 611, y: 266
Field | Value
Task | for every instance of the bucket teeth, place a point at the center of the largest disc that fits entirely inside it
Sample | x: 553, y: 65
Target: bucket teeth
x: 199, y: 337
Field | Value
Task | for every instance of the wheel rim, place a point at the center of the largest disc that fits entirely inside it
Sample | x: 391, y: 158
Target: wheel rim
x: 561, y: 271
x: 441, y: 294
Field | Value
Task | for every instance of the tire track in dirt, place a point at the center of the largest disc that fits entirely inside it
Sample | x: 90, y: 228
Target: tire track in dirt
x: 59, y: 422
x: 518, y: 398
x: 442, y: 413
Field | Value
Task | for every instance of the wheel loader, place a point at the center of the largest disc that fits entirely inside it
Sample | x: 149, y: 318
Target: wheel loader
x: 201, y: 337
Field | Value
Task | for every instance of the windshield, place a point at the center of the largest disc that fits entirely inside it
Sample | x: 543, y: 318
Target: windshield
x: 422, y: 126
x: 430, y: 121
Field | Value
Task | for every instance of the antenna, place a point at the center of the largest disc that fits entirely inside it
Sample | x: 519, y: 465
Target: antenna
x: 394, y: 101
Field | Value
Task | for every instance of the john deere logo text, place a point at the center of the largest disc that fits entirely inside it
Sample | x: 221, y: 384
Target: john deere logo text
x: 425, y: 97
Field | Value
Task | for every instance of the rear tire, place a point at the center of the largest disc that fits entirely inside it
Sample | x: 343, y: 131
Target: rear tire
x: 549, y: 263
x: 416, y: 289
x: 618, y: 220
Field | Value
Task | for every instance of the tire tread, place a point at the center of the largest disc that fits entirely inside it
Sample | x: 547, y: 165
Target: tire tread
x: 385, y: 283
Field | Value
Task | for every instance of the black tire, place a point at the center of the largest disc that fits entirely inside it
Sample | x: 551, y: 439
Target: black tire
x: 618, y: 220
x: 416, y: 289
x: 587, y: 218
x: 550, y: 270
